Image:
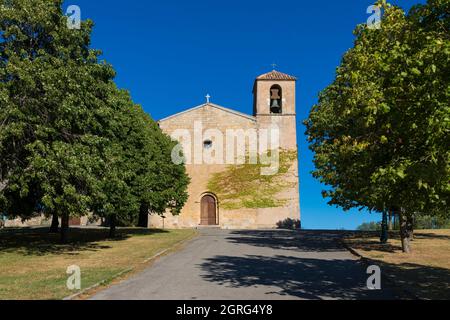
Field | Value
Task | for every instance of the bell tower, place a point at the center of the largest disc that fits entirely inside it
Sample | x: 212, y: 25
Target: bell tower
x: 274, y: 104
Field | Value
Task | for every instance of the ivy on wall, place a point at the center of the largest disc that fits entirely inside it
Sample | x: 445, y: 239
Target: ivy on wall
x: 243, y: 186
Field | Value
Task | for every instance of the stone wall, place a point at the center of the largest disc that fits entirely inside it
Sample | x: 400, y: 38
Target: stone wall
x: 215, y: 118
x: 34, y: 222
x: 43, y: 221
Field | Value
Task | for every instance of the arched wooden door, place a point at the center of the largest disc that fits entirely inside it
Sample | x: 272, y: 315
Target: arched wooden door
x: 208, y: 211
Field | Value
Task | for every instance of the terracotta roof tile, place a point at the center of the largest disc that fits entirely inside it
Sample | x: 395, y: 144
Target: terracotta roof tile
x: 275, y: 75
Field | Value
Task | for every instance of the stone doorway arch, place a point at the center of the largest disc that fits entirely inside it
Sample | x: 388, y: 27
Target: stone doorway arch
x: 209, y: 210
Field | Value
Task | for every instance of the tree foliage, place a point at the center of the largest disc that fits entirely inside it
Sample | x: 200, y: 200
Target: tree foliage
x: 381, y: 130
x: 369, y: 226
x: 70, y: 141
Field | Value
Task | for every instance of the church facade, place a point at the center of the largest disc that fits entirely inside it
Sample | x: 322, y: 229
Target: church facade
x: 243, y: 168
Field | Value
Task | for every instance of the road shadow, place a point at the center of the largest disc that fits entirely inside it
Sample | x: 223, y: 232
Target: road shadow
x: 302, y: 278
x: 293, y: 276
x: 298, y: 240
x: 39, y: 242
x: 315, y: 278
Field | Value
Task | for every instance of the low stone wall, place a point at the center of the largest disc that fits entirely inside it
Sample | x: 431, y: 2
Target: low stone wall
x: 34, y: 222
x: 43, y: 221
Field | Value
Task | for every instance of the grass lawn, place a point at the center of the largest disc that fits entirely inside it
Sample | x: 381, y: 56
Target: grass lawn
x: 425, y: 272
x: 33, y: 263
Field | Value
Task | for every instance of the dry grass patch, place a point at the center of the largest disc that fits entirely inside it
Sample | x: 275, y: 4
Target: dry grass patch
x: 425, y: 273
x: 34, y: 263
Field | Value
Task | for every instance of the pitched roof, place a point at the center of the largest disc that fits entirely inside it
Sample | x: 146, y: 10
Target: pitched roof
x: 214, y: 106
x: 275, y: 75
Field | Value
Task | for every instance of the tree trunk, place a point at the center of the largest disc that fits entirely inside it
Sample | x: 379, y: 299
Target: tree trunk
x: 390, y: 226
x: 384, y: 228
x: 55, y: 224
x: 405, y: 231
x: 410, y: 226
x: 395, y: 220
x: 143, y: 216
x: 64, y: 227
x: 112, y: 227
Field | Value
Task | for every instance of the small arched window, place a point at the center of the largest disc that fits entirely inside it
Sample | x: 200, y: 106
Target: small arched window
x: 276, y: 99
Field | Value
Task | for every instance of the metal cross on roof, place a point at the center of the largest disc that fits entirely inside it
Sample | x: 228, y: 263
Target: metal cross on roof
x: 207, y: 98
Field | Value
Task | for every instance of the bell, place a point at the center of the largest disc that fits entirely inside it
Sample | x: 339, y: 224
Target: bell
x: 275, y: 107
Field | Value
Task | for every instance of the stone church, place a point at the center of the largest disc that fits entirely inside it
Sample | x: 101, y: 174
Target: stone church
x: 205, y: 130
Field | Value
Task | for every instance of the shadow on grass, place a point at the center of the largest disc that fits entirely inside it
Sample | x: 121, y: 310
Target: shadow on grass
x: 422, y: 282
x: 368, y: 240
x: 431, y: 236
x: 38, y: 241
x: 395, y: 234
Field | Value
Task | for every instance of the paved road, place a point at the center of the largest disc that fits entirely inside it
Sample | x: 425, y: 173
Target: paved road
x: 252, y: 265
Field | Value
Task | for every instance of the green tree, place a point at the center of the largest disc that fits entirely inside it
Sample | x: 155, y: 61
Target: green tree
x: 369, y: 226
x: 380, y: 131
x: 112, y: 197
x: 52, y: 106
x: 160, y: 184
x: 137, y: 175
x: 432, y: 222
x: 70, y: 141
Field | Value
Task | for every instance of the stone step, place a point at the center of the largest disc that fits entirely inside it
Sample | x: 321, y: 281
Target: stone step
x: 208, y: 227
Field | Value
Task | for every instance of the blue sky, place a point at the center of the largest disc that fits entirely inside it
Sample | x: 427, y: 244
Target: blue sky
x: 170, y: 54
